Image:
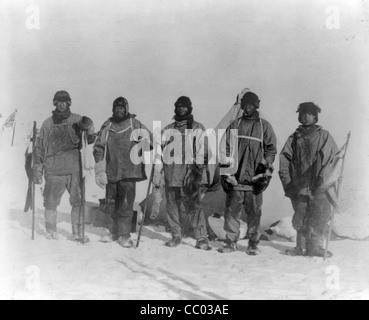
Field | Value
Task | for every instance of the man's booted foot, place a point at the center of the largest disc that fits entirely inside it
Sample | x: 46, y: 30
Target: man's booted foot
x: 314, y: 247
x: 318, y: 252
x: 106, y: 239
x: 252, y: 249
x: 80, y: 239
x: 77, y: 235
x: 52, y: 235
x: 298, y: 251
x: 203, y: 244
x: 125, y: 242
x: 228, y: 248
x: 109, y: 238
x: 174, y: 242
x: 295, y: 252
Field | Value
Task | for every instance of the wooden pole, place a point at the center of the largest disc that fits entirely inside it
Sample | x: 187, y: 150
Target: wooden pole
x: 15, y: 124
x: 146, y: 203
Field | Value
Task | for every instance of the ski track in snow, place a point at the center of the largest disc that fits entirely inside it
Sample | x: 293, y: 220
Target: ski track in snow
x: 106, y: 271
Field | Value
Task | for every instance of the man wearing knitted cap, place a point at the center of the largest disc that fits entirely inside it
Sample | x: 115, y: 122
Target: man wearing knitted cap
x: 57, y: 156
x: 184, y: 173
x: 306, y: 154
x: 257, y: 148
x: 115, y: 169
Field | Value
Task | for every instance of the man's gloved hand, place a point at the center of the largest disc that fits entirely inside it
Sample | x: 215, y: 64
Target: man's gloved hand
x: 229, y: 162
x: 37, y: 173
x: 101, y: 178
x: 86, y: 124
x: 268, y: 173
x: 231, y: 179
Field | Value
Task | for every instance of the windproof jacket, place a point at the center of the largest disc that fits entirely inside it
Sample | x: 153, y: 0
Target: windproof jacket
x: 122, y: 145
x: 303, y: 160
x: 57, y: 147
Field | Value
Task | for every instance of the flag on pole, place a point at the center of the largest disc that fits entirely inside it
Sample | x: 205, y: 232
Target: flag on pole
x: 334, y: 185
x: 333, y: 174
x: 9, y: 123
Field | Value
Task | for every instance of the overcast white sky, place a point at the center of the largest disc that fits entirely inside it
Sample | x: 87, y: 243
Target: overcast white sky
x: 153, y: 51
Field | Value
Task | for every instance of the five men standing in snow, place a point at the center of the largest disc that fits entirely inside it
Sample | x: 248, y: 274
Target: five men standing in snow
x: 303, y: 161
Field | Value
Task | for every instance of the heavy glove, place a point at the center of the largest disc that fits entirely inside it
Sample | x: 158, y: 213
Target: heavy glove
x: 263, y: 175
x: 100, y: 174
x: 86, y: 124
x: 37, y: 173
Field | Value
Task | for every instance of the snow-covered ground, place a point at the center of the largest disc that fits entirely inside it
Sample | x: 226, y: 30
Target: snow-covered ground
x: 43, y: 269
x: 152, y: 52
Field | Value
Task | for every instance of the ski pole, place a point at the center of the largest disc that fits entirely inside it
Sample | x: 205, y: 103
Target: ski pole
x: 83, y: 191
x: 146, y: 204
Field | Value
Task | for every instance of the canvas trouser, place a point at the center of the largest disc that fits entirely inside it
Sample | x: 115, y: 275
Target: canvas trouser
x: 311, y: 215
x: 192, y: 203
x: 120, y: 198
x: 55, y: 187
x: 252, y: 204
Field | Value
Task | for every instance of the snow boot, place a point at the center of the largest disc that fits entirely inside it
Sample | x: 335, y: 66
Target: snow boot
x: 52, y: 235
x: 203, y: 244
x: 77, y: 235
x: 174, y: 242
x: 125, y: 242
x: 319, y: 252
x: 50, y: 224
x: 113, y: 232
x: 295, y: 252
x: 315, y: 248
x: 107, y: 239
x: 252, y: 249
x: 298, y: 251
x: 228, y: 248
